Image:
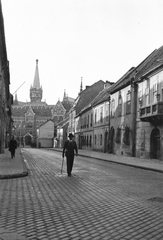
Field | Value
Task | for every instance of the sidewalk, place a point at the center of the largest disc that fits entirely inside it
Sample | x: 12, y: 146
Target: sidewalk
x: 11, y: 168
x: 16, y: 167
x: 148, y: 164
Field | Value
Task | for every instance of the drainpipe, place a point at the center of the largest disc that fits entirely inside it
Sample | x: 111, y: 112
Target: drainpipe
x: 134, y: 114
x: 109, y: 126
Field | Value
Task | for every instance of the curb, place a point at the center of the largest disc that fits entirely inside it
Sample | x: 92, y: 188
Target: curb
x: 126, y: 164
x: 121, y: 163
x: 17, y: 175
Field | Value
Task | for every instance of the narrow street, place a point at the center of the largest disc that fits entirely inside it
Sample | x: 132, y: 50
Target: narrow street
x: 101, y: 200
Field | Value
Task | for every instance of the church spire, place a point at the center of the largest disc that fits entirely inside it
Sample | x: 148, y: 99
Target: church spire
x: 64, y: 96
x: 36, y: 90
x: 16, y: 99
x: 81, y: 85
x: 36, y: 82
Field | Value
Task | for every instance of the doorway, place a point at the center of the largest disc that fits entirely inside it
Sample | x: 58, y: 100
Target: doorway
x: 28, y: 140
x: 106, y: 141
x: 155, y: 144
x: 111, y: 140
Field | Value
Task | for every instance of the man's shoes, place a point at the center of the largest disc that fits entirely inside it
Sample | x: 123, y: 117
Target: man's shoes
x: 69, y: 174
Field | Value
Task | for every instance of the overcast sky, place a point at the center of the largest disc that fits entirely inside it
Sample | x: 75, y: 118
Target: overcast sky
x: 93, y: 39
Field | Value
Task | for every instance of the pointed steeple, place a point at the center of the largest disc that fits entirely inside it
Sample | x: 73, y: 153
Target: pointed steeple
x: 64, y: 96
x: 36, y: 82
x: 36, y: 90
x: 81, y: 85
x: 16, y: 99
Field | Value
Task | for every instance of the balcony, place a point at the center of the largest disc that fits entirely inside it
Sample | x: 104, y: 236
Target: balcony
x: 152, y: 113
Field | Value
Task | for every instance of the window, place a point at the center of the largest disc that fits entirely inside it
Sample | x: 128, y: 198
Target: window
x: 85, y: 121
x: 88, y: 121
x: 146, y: 96
x: 81, y: 121
x: 87, y: 141
x: 128, y: 102
x: 101, y: 114
x: 100, y: 139
x: 154, y: 92
x: 107, y: 111
x: 95, y: 116
x: 113, y: 108
x: 90, y: 141
x: 95, y: 139
x: 119, y: 104
x: 91, y: 120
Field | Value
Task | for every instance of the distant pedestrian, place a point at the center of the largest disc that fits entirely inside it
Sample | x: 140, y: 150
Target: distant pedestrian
x: 69, y: 150
x: 12, y: 146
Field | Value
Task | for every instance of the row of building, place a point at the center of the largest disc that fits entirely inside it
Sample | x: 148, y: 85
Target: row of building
x: 124, y: 118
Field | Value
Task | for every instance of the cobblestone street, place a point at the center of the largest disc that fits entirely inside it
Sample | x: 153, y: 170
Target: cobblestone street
x: 92, y: 204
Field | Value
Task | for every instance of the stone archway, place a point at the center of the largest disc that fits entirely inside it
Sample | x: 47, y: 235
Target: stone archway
x: 155, y: 144
x: 28, y: 139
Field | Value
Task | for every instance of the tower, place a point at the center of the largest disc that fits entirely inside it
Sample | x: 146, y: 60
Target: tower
x: 36, y: 89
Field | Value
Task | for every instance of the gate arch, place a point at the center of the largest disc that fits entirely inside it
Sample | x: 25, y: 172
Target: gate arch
x: 28, y: 139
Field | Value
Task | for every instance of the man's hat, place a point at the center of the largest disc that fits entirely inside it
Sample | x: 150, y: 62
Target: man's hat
x: 70, y: 135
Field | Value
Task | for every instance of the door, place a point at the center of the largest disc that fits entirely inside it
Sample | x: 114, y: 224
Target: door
x: 106, y: 141
x: 111, y: 140
x: 155, y: 143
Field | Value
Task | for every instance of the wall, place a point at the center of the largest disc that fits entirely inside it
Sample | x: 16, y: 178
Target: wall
x: 45, y: 142
x: 122, y: 121
x: 46, y: 130
x: 147, y: 90
x: 100, y: 124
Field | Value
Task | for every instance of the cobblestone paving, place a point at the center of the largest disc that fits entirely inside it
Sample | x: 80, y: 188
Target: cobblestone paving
x: 89, y: 205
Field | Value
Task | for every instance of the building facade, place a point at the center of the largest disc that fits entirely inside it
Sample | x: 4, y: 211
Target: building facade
x: 5, y: 97
x: 128, y: 119
x: 29, y: 116
x: 150, y: 109
x: 92, y: 122
x: 45, y: 134
x: 84, y: 98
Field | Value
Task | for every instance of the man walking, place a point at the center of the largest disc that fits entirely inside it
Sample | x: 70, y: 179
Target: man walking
x: 69, y: 150
x: 12, y: 146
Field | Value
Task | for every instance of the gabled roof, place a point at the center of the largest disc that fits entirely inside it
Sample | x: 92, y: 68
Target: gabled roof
x: 151, y: 63
x: 28, y: 134
x: 87, y: 95
x: 59, y: 105
x: 100, y: 98
x: 63, y: 122
x: 43, y: 110
x: 49, y: 120
x: 134, y: 74
x: 123, y: 81
x: 30, y: 112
